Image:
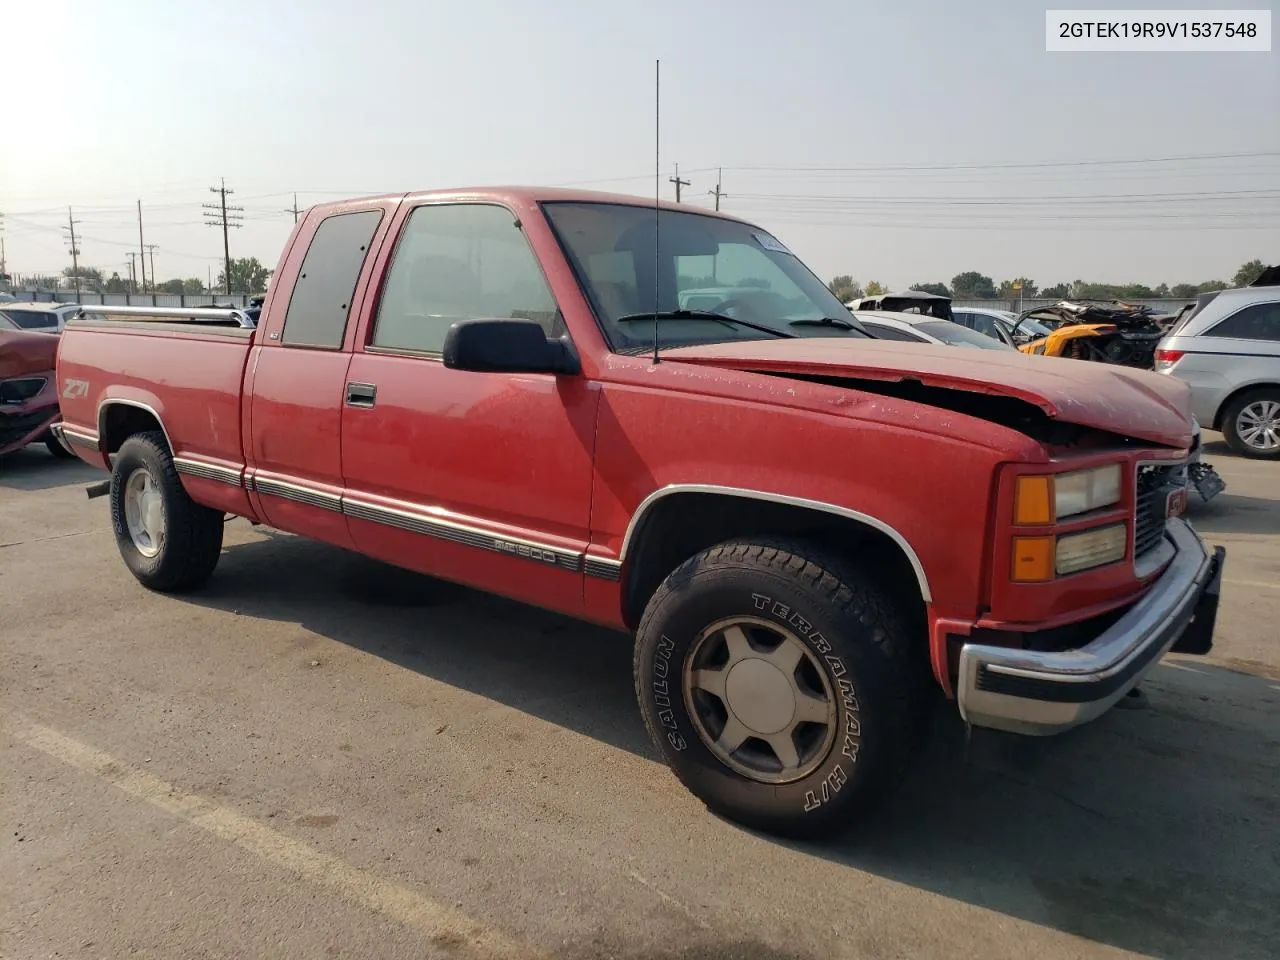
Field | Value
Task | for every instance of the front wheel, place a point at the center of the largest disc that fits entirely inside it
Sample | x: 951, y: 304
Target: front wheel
x: 1251, y: 424
x: 168, y: 541
x: 781, y: 685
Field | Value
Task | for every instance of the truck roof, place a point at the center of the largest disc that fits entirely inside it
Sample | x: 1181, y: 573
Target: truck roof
x: 518, y: 195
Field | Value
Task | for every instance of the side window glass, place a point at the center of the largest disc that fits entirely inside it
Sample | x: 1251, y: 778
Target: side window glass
x: 321, y: 298
x: 1258, y: 322
x: 460, y: 262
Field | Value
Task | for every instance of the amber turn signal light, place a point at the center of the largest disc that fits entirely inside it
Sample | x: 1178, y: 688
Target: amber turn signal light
x: 1033, y: 501
x: 1033, y: 559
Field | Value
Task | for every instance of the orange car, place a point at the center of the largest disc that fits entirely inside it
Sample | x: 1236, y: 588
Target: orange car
x: 1113, y: 332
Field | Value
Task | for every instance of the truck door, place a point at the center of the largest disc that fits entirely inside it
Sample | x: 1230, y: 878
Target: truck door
x: 482, y: 478
x: 298, y: 376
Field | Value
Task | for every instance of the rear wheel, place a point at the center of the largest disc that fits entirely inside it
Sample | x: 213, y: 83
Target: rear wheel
x: 168, y: 541
x: 781, y: 685
x: 1251, y: 424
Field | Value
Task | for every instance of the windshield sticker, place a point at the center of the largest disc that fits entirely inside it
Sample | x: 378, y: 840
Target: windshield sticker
x: 769, y: 243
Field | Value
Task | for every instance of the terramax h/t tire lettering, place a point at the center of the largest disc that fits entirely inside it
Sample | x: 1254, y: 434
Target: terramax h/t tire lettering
x: 713, y: 669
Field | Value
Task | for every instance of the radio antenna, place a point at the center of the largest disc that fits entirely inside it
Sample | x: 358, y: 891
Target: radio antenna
x: 657, y: 191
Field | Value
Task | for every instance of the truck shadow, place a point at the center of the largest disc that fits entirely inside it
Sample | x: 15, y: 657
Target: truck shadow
x: 1231, y: 513
x: 34, y: 468
x: 1155, y: 830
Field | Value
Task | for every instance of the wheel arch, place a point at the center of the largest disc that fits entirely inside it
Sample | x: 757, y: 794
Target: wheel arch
x: 120, y: 418
x: 1236, y: 394
x: 677, y: 521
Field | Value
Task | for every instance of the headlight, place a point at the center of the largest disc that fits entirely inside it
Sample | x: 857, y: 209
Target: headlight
x: 1086, y: 490
x: 1092, y: 548
x: 1040, y: 500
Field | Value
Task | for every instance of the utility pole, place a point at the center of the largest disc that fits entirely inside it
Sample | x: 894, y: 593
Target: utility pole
x: 220, y: 215
x: 133, y: 272
x: 142, y: 251
x: 75, y: 250
x: 4, y: 273
x: 678, y: 182
x: 717, y: 192
x: 294, y: 209
x: 151, y: 249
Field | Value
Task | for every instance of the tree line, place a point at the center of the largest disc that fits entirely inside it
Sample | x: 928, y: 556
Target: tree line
x: 972, y: 285
x: 248, y: 275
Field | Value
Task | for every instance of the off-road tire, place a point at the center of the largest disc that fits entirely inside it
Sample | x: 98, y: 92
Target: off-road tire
x: 1232, y: 412
x: 885, y: 692
x: 192, y: 533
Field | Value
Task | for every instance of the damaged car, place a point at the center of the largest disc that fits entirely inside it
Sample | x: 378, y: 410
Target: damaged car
x: 1105, y: 332
x: 28, y: 396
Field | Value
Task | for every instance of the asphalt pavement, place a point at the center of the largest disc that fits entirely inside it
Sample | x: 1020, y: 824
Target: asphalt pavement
x: 320, y: 756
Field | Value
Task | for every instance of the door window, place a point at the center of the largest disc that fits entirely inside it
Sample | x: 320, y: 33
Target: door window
x: 460, y: 262
x: 321, y: 298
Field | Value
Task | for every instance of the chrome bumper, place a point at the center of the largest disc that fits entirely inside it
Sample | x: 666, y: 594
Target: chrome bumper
x: 1030, y: 692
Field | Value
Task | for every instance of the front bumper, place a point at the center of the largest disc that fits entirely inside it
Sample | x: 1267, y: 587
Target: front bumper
x: 1038, y: 693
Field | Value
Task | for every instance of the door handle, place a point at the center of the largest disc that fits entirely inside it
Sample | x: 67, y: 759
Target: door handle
x: 361, y: 394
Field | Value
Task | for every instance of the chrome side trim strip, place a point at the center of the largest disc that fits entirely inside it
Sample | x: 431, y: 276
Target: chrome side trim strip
x: 867, y: 519
x: 75, y: 436
x: 208, y: 471
x: 413, y: 521
x: 602, y: 568
x: 297, y: 493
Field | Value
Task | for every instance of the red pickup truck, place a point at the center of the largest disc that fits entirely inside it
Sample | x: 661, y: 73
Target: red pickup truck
x: 658, y: 419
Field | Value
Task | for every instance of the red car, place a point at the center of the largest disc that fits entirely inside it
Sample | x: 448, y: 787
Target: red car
x: 809, y: 531
x: 28, y: 395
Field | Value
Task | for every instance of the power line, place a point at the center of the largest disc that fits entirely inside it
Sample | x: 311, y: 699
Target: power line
x: 1018, y: 165
x: 226, y: 217
x: 294, y: 209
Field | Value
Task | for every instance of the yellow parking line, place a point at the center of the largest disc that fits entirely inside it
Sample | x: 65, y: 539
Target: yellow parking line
x: 443, y: 925
x: 1252, y: 583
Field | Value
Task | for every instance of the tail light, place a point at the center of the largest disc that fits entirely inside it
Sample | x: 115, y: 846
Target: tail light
x: 1167, y: 358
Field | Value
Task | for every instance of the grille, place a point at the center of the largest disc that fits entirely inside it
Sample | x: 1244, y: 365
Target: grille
x: 1155, y: 483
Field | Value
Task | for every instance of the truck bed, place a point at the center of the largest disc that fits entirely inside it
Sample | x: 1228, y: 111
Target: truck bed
x: 187, y: 375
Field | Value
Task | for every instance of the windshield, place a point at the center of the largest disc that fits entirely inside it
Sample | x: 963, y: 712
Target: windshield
x: 959, y: 336
x: 703, y: 264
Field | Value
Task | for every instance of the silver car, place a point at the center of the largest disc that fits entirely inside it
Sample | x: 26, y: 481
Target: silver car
x: 1228, y: 351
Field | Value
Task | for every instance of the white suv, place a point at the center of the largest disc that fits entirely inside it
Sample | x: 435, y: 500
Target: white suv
x: 1228, y: 351
x: 39, y: 317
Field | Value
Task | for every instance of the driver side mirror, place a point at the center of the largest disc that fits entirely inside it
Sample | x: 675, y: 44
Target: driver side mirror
x: 507, y: 346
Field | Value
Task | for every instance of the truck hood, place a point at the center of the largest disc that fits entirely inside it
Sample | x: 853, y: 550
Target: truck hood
x: 1131, y: 403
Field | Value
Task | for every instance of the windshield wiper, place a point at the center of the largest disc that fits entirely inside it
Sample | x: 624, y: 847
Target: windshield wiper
x: 832, y: 322
x: 823, y: 322
x: 700, y: 315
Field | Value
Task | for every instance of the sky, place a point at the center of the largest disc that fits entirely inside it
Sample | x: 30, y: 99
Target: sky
x: 895, y: 140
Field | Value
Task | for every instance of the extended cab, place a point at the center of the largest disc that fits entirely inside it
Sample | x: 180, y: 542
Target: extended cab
x: 810, y: 531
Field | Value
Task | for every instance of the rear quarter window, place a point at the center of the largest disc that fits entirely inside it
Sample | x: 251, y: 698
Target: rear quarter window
x: 1258, y: 322
x: 321, y: 299
x: 33, y: 319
